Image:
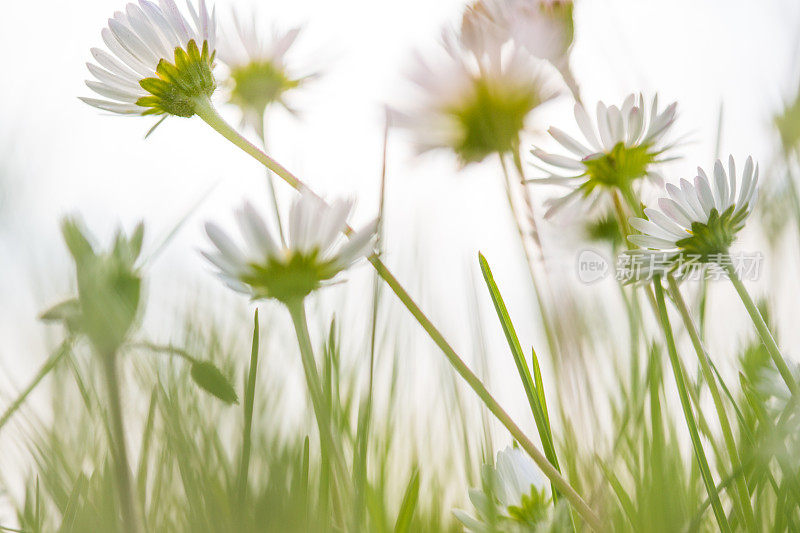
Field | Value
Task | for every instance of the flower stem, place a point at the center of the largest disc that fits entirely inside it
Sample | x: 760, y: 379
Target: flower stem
x: 741, y: 483
x: 680, y: 382
x: 206, y: 111
x: 561, y: 484
x: 763, y: 329
x: 261, y: 131
x: 130, y: 517
x: 322, y: 410
x: 249, y: 400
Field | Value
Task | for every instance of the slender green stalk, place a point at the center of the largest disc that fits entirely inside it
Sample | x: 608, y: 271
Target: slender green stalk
x: 130, y: 515
x: 206, y: 111
x: 249, y: 399
x: 745, y: 505
x: 46, y: 368
x: 763, y: 329
x: 261, y: 131
x: 561, y: 484
x: 680, y: 381
x: 322, y: 410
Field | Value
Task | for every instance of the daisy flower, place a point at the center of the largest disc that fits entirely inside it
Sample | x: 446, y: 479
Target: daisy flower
x: 476, y: 98
x: 626, y: 145
x: 315, y: 253
x: 157, y: 62
x: 700, y: 219
x: 259, y: 74
x: 544, y: 27
x: 514, y: 492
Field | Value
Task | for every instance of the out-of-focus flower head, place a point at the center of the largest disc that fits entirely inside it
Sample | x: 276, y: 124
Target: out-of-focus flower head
x: 544, y: 27
x: 513, y: 496
x: 109, y: 287
x: 475, y: 99
x: 316, y: 250
x: 630, y: 146
x: 161, y: 61
x: 259, y: 72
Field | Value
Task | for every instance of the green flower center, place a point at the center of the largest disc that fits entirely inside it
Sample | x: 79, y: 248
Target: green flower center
x: 618, y: 168
x: 256, y: 85
x: 532, y: 509
x: 178, y: 85
x: 491, y: 119
x: 290, y: 280
x: 714, y: 237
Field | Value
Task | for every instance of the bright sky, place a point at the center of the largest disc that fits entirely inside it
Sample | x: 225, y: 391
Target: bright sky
x: 59, y: 156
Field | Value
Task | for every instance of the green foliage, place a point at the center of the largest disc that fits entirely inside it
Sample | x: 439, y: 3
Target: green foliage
x: 109, y: 288
x: 209, y: 378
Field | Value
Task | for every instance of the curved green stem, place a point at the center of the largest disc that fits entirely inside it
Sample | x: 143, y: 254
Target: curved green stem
x: 688, y: 413
x: 745, y: 504
x: 763, y: 329
x: 206, y: 111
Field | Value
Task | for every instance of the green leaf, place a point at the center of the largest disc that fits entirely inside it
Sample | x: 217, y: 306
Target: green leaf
x: 77, y: 243
x: 209, y: 378
x: 409, y: 504
x: 535, y: 397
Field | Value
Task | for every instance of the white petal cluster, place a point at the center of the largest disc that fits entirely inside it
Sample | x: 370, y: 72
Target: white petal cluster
x: 478, y: 62
x: 516, y: 475
x: 137, y: 40
x: 259, y: 72
x: 513, y: 477
x: 703, y: 202
x: 543, y: 27
x: 315, y: 250
x: 247, y: 43
x: 630, y: 137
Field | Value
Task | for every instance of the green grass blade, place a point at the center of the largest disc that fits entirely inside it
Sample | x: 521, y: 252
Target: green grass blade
x: 410, y: 498
x: 688, y: 413
x: 535, y: 397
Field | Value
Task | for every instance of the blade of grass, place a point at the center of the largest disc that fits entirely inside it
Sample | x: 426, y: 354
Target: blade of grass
x: 535, y: 396
x: 409, y: 504
x: 680, y: 381
x: 46, y: 368
x: 249, y: 398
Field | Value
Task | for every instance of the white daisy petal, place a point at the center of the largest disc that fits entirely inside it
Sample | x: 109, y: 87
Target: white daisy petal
x: 568, y: 142
x: 557, y: 160
x: 650, y: 228
x: 585, y: 125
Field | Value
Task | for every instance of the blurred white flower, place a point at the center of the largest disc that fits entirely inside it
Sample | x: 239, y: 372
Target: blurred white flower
x: 513, y: 493
x: 476, y: 98
x: 629, y: 147
x: 161, y: 61
x: 544, y: 27
x: 316, y: 250
x: 259, y: 73
x: 701, y: 219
